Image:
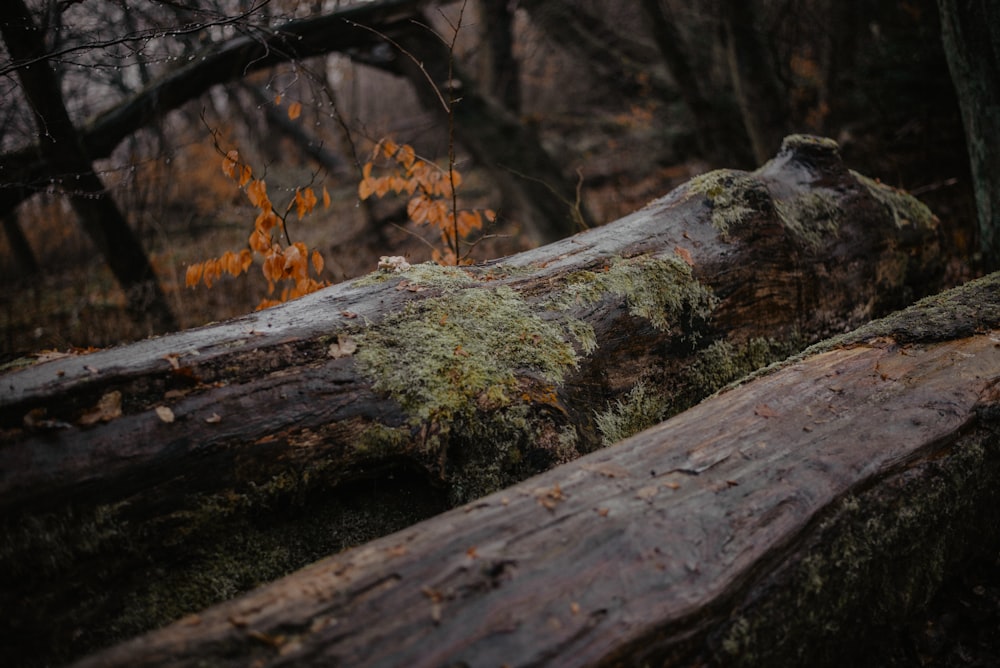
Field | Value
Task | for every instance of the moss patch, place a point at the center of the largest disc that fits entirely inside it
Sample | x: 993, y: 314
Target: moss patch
x: 727, y: 192
x: 907, y: 210
x: 663, y: 291
x: 426, y: 274
x: 442, y: 358
x: 650, y: 401
x: 639, y: 409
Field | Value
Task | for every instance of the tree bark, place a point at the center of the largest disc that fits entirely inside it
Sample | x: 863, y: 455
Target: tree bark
x: 971, y: 35
x: 765, y: 526
x: 64, y: 155
x: 144, y: 482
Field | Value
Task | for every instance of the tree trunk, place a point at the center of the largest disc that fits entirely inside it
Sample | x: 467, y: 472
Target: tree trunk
x: 500, y: 72
x: 64, y: 155
x: 24, y: 257
x: 707, y: 121
x: 144, y: 482
x: 623, y: 65
x: 971, y: 35
x: 773, y: 525
x: 761, y: 100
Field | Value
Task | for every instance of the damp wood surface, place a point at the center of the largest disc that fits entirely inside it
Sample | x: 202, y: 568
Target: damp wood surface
x: 196, y: 465
x: 790, y: 502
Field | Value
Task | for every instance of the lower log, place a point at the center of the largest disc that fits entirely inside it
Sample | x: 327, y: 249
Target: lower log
x: 761, y: 527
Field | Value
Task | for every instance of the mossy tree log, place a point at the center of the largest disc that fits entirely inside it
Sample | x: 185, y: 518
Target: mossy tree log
x: 760, y: 528
x: 143, y: 482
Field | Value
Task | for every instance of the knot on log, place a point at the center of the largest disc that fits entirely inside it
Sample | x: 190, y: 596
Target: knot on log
x: 820, y: 156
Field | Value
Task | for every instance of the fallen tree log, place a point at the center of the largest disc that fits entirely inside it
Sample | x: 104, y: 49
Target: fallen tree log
x: 760, y: 528
x: 141, y: 483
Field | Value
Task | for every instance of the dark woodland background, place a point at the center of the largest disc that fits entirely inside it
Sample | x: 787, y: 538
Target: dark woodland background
x: 626, y: 100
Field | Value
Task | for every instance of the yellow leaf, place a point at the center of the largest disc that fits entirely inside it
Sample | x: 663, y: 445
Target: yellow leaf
x: 294, y: 110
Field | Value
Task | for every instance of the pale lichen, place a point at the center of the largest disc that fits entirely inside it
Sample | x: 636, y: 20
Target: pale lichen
x: 426, y: 274
x: 664, y: 291
x: 639, y: 409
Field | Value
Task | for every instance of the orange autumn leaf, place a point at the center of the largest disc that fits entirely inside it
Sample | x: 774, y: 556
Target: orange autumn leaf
x: 229, y: 163
x: 245, y: 175
x: 326, y: 198
x: 317, y: 262
x: 257, y: 194
x: 193, y: 274
x: 294, y: 110
x: 305, y: 201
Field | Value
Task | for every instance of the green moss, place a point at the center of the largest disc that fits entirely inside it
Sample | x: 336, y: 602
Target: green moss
x: 723, y: 362
x: 640, y: 409
x: 810, y: 216
x: 663, y: 291
x: 441, y: 358
x: 426, y: 274
x: 907, y: 210
x: 713, y: 367
x: 726, y: 190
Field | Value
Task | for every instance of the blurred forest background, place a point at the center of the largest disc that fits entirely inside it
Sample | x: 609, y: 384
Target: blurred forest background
x: 115, y: 116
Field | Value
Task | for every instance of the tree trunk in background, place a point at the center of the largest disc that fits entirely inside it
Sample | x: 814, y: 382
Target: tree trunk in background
x: 971, y: 34
x: 61, y: 148
x: 141, y: 483
x: 27, y: 265
x: 761, y: 99
x: 500, y: 74
x: 618, y: 63
x: 781, y: 523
